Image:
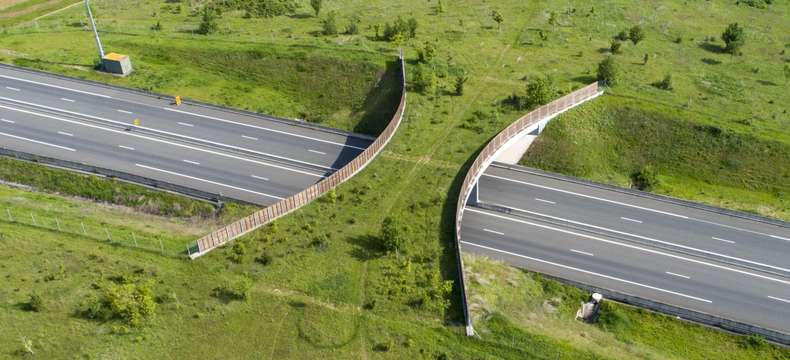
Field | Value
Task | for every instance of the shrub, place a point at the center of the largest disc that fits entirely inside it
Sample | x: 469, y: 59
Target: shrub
x: 613, y: 319
x: 316, y: 5
x: 636, y: 34
x: 353, y: 25
x: 208, y: 21
x: 460, y: 81
x: 131, y: 302
x: 425, y: 80
x: 238, y: 290
x: 400, y: 30
x: 262, y: 8
x: 645, y: 178
x: 157, y: 26
x: 733, y: 38
x: 329, y: 25
x: 391, y: 235
x: 622, y: 36
x: 665, y: 84
x: 616, y: 47
x: 427, y: 53
x: 498, y: 18
x: 35, y: 303
x: 540, y: 91
x: 264, y: 259
x: 608, y: 71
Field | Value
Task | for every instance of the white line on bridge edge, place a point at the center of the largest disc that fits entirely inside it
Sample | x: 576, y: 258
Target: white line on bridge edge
x: 12, y: 88
x: 648, y: 250
x: 494, y: 232
x: 124, y: 111
x: 589, y: 272
x: 191, y: 162
x: 316, y: 151
x: 55, y: 86
x: 159, y: 140
x: 8, y: 121
x: 778, y: 299
x: 678, y: 275
x: 250, y: 137
x: 126, y: 147
x: 37, y: 142
x: 545, y: 201
x: 724, y: 240
x: 631, y: 220
x: 633, y: 235
x: 581, y: 252
x: 259, y: 177
x: 206, y: 181
x: 69, y: 100
x: 65, y: 133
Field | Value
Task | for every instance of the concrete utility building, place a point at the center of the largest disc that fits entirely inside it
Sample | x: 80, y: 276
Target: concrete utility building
x: 117, y: 64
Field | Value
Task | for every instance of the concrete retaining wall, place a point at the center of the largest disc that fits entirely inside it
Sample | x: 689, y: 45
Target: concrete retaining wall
x: 259, y: 218
x: 508, y: 136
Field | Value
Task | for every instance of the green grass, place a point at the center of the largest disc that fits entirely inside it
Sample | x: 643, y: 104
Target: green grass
x: 351, y: 299
x: 29, y: 10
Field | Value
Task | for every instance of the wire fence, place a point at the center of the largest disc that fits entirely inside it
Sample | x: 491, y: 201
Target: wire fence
x: 103, y: 233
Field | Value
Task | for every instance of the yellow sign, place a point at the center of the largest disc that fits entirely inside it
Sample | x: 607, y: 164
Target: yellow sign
x: 136, y: 122
x: 178, y: 99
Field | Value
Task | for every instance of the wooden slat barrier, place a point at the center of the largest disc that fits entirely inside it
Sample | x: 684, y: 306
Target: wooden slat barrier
x: 261, y: 217
x: 485, y: 158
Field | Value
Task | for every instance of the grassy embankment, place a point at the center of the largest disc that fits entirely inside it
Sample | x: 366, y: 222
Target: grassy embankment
x: 322, y: 285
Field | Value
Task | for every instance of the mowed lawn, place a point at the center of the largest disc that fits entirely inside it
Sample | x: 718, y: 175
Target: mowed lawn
x: 323, y: 286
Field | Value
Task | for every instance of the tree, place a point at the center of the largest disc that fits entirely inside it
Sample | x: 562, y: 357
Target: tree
x: 425, y: 79
x: 391, y: 235
x: 607, y: 71
x: 427, y: 53
x: 329, y: 24
x: 498, y: 18
x: 316, y: 4
x: 540, y: 91
x: 208, y: 22
x: 636, y: 34
x: 733, y: 38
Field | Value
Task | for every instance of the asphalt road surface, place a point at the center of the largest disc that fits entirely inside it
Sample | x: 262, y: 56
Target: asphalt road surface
x: 252, y: 158
x: 728, y: 266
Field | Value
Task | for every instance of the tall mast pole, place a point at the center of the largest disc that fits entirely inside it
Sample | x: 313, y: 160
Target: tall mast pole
x: 95, y: 33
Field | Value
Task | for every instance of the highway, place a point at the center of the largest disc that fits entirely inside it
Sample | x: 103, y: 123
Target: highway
x: 252, y: 158
x: 703, y: 260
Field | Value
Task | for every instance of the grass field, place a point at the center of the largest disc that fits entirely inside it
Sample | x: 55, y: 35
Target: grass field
x: 323, y: 285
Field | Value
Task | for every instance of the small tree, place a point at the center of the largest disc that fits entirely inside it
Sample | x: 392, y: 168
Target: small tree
x: 330, y: 24
x: 645, y: 178
x: 498, y: 18
x: 733, y: 38
x: 208, y: 22
x: 411, y: 24
x: 427, y: 53
x: 540, y: 91
x: 636, y: 34
x: 607, y: 71
x: 616, y: 47
x: 391, y: 235
x: 353, y: 26
x: 316, y: 4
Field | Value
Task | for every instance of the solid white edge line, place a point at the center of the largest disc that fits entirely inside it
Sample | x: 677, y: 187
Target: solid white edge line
x: 37, y: 141
x: 586, y: 196
x: 165, y: 142
x: 206, y: 181
x: 631, y: 220
x: 55, y: 86
x: 590, y: 272
x: 723, y: 240
x: 546, y: 201
x: 263, y: 128
x: 678, y: 275
x: 126, y: 147
x: 778, y: 299
x: 582, y: 252
x: 166, y: 133
x: 651, y: 239
x: 634, y: 247
x: 8, y: 121
x: 65, y: 133
x: 494, y: 232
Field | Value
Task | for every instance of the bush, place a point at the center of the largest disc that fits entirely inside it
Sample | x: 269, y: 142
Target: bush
x: 400, y: 30
x: 616, y: 47
x: 608, y: 71
x: 391, y: 235
x: 329, y: 25
x: 636, y: 34
x: 157, y: 26
x: 208, y: 21
x: 665, y: 84
x: 622, y: 36
x: 35, y: 303
x: 427, y: 53
x: 540, y: 91
x: 265, y: 259
x: 645, y: 178
x: 613, y: 319
x: 238, y: 290
x: 130, y: 302
x: 425, y: 79
x: 733, y: 38
x: 353, y: 25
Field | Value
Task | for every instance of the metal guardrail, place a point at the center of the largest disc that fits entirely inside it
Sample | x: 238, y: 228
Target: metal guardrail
x: 486, y: 157
x: 259, y: 218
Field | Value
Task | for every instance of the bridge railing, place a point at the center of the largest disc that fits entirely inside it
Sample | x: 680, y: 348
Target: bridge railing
x: 489, y: 153
x: 261, y: 217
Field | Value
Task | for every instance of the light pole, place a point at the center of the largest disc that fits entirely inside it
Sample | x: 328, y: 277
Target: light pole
x: 95, y: 33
